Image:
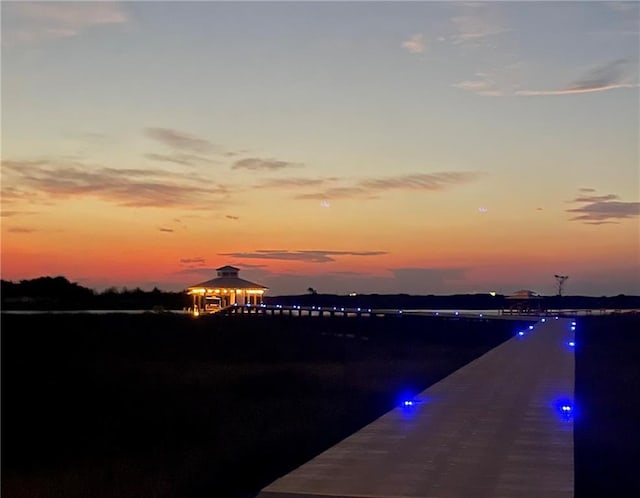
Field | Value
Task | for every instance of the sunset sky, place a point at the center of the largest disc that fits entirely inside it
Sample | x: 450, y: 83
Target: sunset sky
x: 378, y: 147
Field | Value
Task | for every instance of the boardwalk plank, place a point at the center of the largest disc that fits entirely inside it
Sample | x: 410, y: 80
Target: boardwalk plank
x: 493, y: 428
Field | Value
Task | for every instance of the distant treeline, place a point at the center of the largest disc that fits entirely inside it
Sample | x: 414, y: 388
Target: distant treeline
x: 58, y: 293
x: 455, y: 301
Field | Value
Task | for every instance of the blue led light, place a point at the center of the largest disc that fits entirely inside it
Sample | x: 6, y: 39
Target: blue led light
x: 571, y: 344
x: 544, y: 320
x: 573, y: 324
x: 565, y: 408
x: 456, y: 312
x: 409, y: 402
x: 521, y: 333
x: 530, y: 327
x: 573, y: 329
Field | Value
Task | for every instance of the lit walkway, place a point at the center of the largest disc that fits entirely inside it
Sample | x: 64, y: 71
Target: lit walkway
x: 499, y: 427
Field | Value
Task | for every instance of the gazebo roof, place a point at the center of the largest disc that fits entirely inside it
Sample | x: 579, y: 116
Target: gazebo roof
x: 228, y: 283
x: 228, y: 268
x: 524, y: 294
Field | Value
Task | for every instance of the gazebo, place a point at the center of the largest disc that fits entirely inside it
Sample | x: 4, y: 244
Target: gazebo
x: 227, y: 289
x: 524, y: 302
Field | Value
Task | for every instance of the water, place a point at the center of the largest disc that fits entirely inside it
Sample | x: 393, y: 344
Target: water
x: 91, y: 312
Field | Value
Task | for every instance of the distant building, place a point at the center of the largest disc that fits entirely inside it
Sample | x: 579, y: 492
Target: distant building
x: 227, y: 289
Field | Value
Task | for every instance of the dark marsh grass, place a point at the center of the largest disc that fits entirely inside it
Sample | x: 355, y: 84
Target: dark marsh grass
x: 607, y: 424
x: 168, y: 406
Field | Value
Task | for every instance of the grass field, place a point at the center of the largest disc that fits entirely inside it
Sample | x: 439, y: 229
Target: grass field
x: 168, y: 406
x: 607, y: 424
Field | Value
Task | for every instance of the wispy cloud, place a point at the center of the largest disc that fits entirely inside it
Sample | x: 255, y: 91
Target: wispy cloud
x: 595, y: 198
x: 603, y: 209
x: 572, y: 91
x: 249, y: 266
x: 180, y: 140
x: 421, y: 181
x: 609, y: 76
x: 475, y: 28
x: 339, y: 193
x: 231, y: 217
x: 286, y: 183
x: 495, y: 81
x: 180, y: 158
x: 415, y: 44
x: 477, y: 22
x: 197, y: 261
x: 12, y: 213
x: 11, y: 196
x: 607, y: 210
x: 371, y: 188
x: 600, y: 222
x: 621, y: 73
x: 22, y: 230
x: 32, y: 22
x: 483, y: 85
x: 41, y: 180
x: 257, y: 164
x: 310, y: 256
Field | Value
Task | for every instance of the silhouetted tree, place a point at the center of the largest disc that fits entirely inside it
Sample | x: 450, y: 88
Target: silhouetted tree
x: 560, y: 280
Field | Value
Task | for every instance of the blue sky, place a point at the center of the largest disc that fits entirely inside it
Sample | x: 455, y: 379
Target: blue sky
x: 371, y: 128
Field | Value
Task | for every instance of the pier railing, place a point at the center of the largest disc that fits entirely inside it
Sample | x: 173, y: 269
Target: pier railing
x: 277, y: 309
x: 337, y: 311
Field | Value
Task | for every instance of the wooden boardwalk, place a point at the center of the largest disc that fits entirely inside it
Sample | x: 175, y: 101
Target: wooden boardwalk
x: 502, y: 426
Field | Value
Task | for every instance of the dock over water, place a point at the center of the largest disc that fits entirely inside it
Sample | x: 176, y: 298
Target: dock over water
x: 335, y: 311
x: 501, y: 426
